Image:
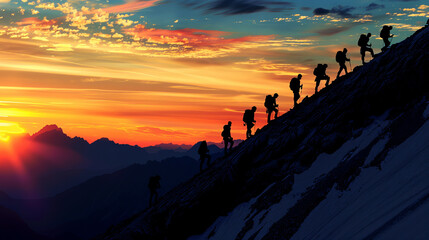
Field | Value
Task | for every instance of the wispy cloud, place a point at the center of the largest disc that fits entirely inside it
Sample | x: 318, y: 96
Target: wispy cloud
x: 374, y: 6
x: 330, y: 31
x: 131, y: 6
x: 233, y: 7
x: 161, y: 131
x: 340, y: 11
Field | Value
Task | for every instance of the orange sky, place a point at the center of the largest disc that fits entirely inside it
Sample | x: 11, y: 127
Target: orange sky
x: 104, y: 70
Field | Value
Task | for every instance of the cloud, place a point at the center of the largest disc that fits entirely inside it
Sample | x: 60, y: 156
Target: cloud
x: 321, y: 11
x: 159, y: 131
x: 131, y: 6
x: 189, y: 37
x: 233, y: 7
x: 339, y: 11
x: 404, y: 26
x: 36, y: 22
x: 333, y: 30
x: 373, y: 6
x: 266, y: 66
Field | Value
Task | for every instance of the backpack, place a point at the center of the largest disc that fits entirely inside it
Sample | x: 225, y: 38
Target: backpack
x: 294, y: 84
x: 247, y: 116
x: 318, y: 70
x: 223, y: 134
x: 268, y: 101
x: 362, y: 40
x: 385, y: 33
x: 339, y: 57
x: 153, y: 183
x: 203, y: 148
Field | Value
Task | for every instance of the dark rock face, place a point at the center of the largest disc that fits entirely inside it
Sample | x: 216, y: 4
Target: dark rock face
x: 394, y: 85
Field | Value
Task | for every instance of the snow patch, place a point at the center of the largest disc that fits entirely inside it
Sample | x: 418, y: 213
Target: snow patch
x: 379, y: 204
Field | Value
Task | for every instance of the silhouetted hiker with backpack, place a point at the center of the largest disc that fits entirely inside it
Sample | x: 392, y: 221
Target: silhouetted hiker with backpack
x: 385, y: 35
x: 320, y: 73
x: 154, y: 185
x: 271, y: 105
x: 203, y: 150
x: 249, y: 120
x: 226, y: 134
x: 295, y: 85
x: 364, y: 46
x: 341, y: 59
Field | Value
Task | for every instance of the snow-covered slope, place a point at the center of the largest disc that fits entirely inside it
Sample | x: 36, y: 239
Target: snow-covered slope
x: 348, y: 163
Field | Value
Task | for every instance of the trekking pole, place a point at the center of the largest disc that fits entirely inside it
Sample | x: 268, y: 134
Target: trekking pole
x: 350, y: 63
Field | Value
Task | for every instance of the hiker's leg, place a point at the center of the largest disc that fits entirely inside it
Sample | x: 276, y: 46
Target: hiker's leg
x: 317, y: 85
x: 150, y: 199
x: 339, y: 71
x: 208, y: 160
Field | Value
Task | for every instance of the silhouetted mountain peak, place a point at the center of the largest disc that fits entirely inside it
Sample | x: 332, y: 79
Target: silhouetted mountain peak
x: 53, y: 135
x: 48, y: 128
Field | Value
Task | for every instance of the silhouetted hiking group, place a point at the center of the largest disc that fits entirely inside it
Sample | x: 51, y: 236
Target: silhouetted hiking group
x: 296, y: 87
x: 271, y: 101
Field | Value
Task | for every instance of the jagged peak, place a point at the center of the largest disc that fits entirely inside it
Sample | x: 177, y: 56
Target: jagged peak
x: 48, y: 128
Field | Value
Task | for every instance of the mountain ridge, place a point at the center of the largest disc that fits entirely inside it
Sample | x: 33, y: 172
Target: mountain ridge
x: 289, y: 146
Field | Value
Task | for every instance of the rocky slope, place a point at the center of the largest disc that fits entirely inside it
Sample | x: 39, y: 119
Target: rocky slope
x: 347, y: 163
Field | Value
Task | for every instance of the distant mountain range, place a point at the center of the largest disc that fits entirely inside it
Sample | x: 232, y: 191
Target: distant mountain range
x: 90, y: 208
x: 54, y: 161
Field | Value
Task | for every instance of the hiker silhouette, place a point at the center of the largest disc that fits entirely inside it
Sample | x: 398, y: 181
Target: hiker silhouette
x: 320, y: 73
x: 295, y: 85
x: 226, y: 134
x: 385, y: 35
x: 154, y: 185
x: 271, y: 105
x: 341, y: 59
x: 249, y: 120
x: 203, y: 151
x: 364, y: 46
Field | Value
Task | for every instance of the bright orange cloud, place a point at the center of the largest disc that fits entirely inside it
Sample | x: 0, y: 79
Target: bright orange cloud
x: 34, y: 21
x: 189, y: 36
x: 131, y: 6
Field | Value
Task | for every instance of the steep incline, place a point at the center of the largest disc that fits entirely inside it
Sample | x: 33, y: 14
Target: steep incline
x: 278, y: 183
